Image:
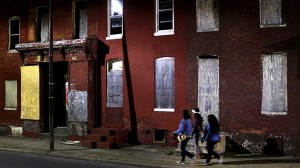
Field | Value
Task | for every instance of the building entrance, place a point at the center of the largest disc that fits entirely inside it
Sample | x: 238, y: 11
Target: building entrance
x: 60, y: 77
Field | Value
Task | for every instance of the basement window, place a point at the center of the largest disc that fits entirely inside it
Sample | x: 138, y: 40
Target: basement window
x: 274, y: 84
x: 160, y: 136
x: 207, y: 15
x: 271, y: 13
x: 14, y: 33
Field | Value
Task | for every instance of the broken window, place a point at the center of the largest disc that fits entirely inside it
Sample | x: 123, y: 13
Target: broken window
x: 114, y: 83
x: 14, y: 32
x: 207, y: 15
x: 115, y: 18
x: 42, y: 24
x: 80, y: 19
x: 274, y: 89
x: 11, y: 98
x: 164, y: 84
x: 271, y: 13
x: 164, y: 17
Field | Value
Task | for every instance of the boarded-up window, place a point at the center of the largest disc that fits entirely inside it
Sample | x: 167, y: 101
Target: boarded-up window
x: 208, y: 86
x: 274, y: 89
x: 114, y: 83
x: 207, y: 15
x: 81, y: 18
x: 271, y: 13
x: 11, y: 90
x: 42, y: 24
x: 164, y: 84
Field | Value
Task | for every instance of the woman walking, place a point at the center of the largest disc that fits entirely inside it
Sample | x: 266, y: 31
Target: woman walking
x: 185, y: 128
x: 197, y: 130
x: 212, y: 136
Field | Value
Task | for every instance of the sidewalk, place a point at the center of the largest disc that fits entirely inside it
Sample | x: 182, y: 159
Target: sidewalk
x: 142, y: 155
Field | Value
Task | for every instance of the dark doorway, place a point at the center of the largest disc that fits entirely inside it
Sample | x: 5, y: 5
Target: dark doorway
x: 60, y: 73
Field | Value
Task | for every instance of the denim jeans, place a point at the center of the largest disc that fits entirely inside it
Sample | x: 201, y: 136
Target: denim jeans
x: 184, y: 152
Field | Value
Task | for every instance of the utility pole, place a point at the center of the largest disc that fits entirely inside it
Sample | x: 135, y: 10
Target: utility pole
x: 51, y: 98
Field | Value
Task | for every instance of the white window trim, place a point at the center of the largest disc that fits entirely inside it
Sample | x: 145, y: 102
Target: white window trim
x: 163, y: 110
x: 115, y: 36
x: 9, y: 30
x: 163, y: 32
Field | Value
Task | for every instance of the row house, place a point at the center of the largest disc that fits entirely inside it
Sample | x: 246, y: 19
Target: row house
x: 124, y: 70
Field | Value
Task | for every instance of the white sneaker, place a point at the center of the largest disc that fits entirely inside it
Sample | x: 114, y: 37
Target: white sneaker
x: 180, y: 162
x: 205, y: 162
x: 220, y: 160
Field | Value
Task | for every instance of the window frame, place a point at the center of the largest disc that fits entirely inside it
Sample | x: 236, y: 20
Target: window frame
x: 157, y: 109
x: 163, y: 32
x: 10, y: 33
x: 109, y: 35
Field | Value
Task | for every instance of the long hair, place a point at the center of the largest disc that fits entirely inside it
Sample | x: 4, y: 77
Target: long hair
x: 199, y: 118
x: 186, y: 114
x: 214, y: 123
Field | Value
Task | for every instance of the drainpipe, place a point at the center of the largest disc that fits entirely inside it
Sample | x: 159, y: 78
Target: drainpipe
x: 51, y: 98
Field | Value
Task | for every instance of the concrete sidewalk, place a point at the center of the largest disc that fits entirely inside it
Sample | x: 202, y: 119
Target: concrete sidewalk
x: 142, y: 155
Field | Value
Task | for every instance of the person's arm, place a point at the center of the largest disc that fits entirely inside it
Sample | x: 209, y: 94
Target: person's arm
x: 181, y: 128
x: 206, y: 133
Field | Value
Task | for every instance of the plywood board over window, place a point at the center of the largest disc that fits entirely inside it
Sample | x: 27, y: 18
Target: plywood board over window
x: 271, y: 13
x: 208, y: 86
x: 207, y: 15
x: 11, y: 98
x: 30, y: 92
x: 274, y: 84
x: 164, y: 84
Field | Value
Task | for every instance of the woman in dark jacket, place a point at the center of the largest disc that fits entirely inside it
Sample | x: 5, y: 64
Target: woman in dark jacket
x: 197, y: 130
x: 212, y: 136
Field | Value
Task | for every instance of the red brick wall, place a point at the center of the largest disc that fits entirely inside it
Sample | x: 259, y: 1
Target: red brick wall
x: 239, y: 43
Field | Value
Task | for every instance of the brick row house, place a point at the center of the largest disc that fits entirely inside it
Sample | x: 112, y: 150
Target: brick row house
x: 124, y: 70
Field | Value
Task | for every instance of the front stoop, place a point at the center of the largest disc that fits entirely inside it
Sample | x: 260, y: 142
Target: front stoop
x: 106, y: 138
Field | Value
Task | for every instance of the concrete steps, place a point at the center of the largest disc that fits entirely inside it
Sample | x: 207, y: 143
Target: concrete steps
x: 106, y: 138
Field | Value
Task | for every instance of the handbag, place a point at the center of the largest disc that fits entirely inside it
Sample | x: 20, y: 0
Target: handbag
x: 181, y: 137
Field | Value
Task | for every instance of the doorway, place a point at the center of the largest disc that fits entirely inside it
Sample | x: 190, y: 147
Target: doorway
x: 60, y: 77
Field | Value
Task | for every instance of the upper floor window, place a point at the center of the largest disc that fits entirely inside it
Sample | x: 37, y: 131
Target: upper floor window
x: 274, y: 89
x: 42, y: 24
x: 164, y: 17
x: 164, y: 84
x: 115, y: 19
x: 207, y: 15
x: 14, y: 32
x: 80, y: 19
x: 271, y: 13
